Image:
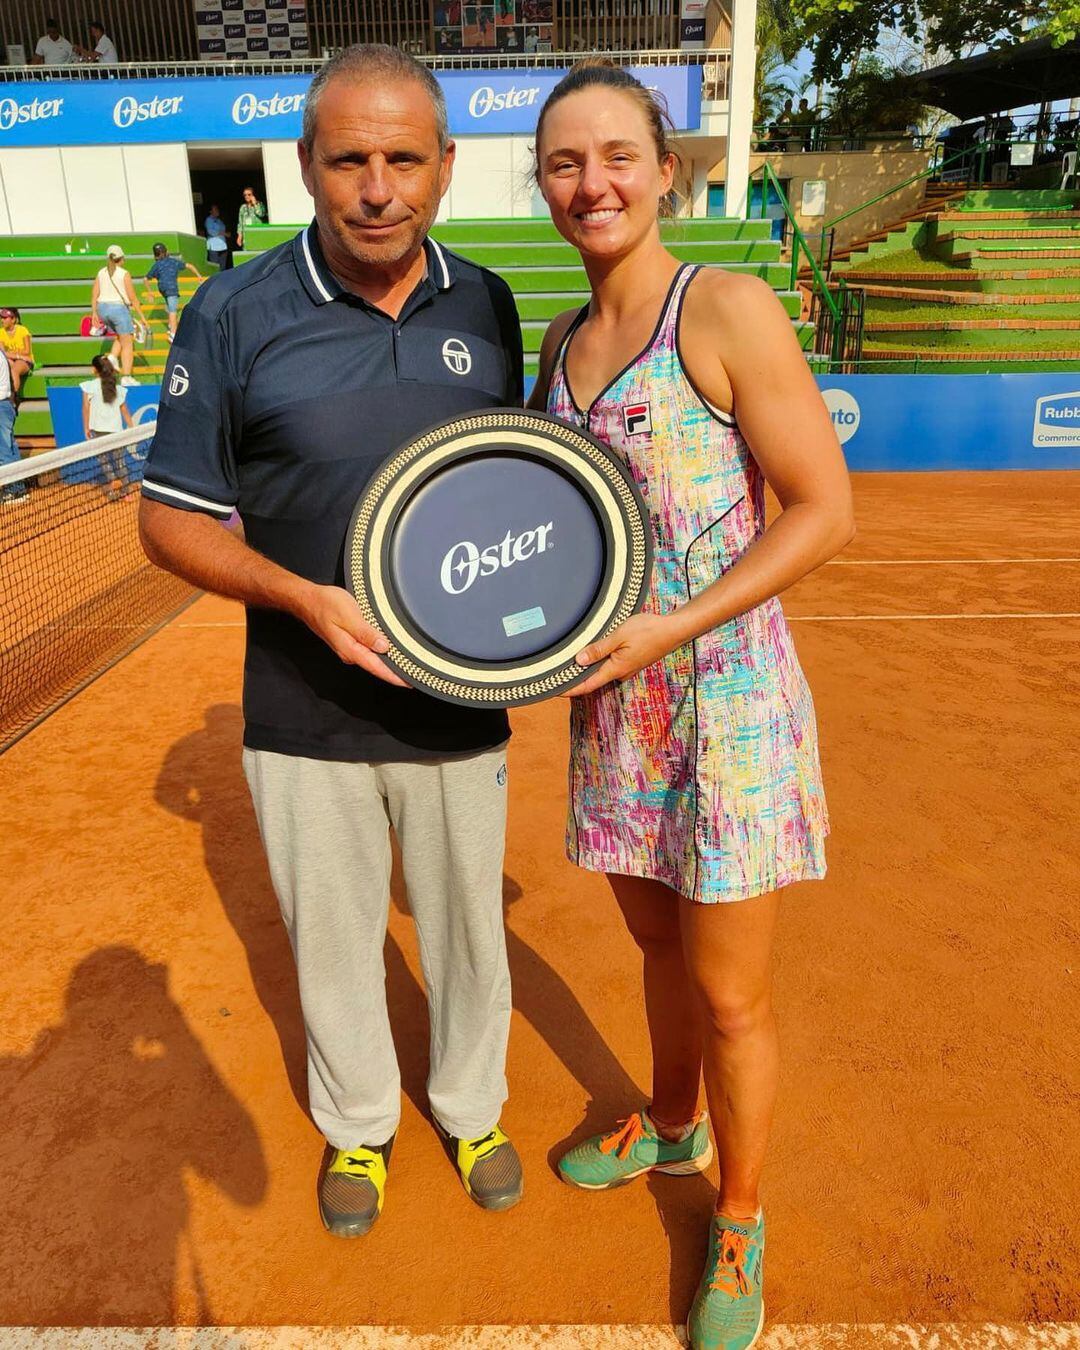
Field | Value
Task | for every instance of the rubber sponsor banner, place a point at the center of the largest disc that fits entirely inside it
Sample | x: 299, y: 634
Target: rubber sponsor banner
x: 894, y: 423
x: 911, y: 422
x: 270, y: 107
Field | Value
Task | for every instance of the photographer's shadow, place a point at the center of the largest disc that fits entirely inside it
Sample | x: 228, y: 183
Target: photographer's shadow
x: 201, y: 780
x: 101, y: 1118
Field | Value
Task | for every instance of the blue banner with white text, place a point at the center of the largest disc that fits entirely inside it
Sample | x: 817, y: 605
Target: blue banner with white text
x: 270, y: 107
x: 65, y: 405
x: 911, y: 422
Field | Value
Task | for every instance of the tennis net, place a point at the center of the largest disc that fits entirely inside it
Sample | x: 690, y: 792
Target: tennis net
x: 78, y: 592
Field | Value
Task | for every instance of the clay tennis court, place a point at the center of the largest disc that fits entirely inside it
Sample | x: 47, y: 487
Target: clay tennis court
x: 158, y: 1166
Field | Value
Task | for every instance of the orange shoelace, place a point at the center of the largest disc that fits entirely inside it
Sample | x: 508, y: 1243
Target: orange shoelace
x: 622, y: 1141
x: 730, y: 1275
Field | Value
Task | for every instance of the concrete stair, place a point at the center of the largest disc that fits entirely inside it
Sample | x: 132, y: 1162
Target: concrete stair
x: 546, y: 276
x: 49, y: 277
x: 993, y: 280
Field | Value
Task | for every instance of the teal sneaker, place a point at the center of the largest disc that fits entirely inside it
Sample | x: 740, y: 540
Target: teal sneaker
x: 728, y: 1310
x: 608, y: 1160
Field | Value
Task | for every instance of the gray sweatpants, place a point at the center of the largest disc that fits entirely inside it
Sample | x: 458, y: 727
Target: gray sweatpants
x: 326, y: 830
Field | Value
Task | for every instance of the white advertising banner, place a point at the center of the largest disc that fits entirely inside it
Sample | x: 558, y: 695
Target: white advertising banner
x: 232, y: 30
x: 692, y: 23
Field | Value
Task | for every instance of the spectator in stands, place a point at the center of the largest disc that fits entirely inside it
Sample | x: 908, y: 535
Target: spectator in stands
x: 804, y: 122
x: 53, y: 49
x: 101, y: 49
x: 166, y: 270
x: 780, y: 127
x: 111, y: 302
x: 252, y: 212
x: 17, y: 346
x: 217, y: 239
x: 12, y: 493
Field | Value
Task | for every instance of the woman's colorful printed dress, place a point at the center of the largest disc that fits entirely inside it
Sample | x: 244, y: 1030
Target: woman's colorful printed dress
x: 702, y: 770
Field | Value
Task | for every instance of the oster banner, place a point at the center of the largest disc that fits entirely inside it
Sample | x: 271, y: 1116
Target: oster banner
x: 270, y: 107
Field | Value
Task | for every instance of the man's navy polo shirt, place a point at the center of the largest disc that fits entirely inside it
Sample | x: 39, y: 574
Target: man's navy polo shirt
x: 282, y: 396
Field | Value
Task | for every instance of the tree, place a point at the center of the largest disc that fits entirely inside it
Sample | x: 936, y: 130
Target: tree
x: 837, y: 31
x: 873, y: 98
x: 779, y: 39
x: 770, y: 87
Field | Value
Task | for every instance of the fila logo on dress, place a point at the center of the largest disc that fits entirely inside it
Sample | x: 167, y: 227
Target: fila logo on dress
x: 637, y: 418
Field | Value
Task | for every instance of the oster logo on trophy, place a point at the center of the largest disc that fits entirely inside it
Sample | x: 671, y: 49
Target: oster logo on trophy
x: 494, y: 547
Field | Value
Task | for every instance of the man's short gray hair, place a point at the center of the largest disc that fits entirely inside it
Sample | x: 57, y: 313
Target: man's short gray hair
x: 374, y: 61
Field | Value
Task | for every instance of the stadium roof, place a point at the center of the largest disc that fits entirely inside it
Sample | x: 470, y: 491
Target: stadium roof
x: 1010, y: 77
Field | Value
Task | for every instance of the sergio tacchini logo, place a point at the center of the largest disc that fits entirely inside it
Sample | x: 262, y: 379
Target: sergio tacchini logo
x: 457, y: 356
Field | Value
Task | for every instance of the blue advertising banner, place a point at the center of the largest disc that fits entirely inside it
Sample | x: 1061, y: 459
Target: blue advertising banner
x: 910, y: 422
x: 65, y: 405
x: 270, y: 107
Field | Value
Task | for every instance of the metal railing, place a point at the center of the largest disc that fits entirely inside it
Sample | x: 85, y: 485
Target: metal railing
x: 968, y: 168
x: 835, y: 311
x: 717, y: 65
x: 789, y: 138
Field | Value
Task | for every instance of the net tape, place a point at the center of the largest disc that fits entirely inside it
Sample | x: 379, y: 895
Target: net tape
x: 78, y: 592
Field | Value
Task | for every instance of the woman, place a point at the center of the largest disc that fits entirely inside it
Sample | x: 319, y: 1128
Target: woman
x: 252, y: 212
x: 111, y: 302
x: 104, y: 406
x: 694, y: 768
x: 17, y: 346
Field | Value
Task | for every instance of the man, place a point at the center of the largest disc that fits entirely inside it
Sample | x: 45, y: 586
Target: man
x: 803, y: 122
x: 53, y: 49
x: 290, y: 382
x: 166, y: 270
x: 217, y: 239
x: 101, y: 47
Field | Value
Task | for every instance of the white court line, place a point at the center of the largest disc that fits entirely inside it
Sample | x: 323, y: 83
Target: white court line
x: 808, y: 618
x: 889, y: 618
x: 827, y: 1336
x: 938, y: 562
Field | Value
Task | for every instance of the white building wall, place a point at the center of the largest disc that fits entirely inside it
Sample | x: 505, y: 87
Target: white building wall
x: 148, y: 187
x: 287, y: 200
x: 35, y: 191
x: 159, y: 187
x: 96, y: 188
x: 492, y: 178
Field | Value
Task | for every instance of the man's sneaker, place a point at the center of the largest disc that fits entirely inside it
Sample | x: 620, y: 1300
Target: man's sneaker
x: 488, y: 1165
x: 608, y: 1160
x: 728, y: 1310
x: 351, y: 1187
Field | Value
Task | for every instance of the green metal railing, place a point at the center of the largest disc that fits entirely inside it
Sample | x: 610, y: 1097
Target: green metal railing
x: 770, y: 182
x: 976, y: 155
x: 842, y: 326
